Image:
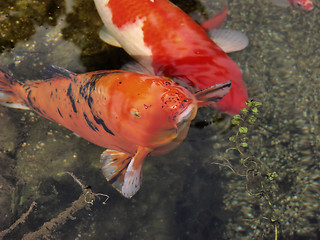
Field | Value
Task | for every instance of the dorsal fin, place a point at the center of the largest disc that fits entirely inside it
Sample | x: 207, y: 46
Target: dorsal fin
x: 53, y: 71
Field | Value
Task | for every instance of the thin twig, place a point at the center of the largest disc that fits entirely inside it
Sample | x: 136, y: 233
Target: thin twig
x: 22, y: 219
x: 84, y: 201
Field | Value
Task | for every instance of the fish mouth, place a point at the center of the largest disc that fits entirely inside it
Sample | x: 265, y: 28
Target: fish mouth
x: 188, y: 113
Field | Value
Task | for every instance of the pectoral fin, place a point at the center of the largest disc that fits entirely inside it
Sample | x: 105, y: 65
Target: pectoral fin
x: 229, y: 40
x: 108, y: 38
x: 123, y: 170
x: 135, y: 67
x: 212, y: 94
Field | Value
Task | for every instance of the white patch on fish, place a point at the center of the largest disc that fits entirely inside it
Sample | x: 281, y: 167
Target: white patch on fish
x: 129, y: 36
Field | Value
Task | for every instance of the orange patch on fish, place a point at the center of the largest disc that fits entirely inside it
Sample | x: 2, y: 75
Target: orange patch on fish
x: 132, y: 115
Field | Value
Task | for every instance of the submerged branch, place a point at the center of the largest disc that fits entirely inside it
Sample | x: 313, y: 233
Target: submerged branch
x: 22, y: 219
x: 47, y: 229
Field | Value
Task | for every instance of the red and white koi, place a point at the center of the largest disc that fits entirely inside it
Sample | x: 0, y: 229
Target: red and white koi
x: 167, y: 42
x: 306, y: 5
x: 132, y: 115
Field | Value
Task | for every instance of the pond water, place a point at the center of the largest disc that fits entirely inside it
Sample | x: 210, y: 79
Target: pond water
x: 270, y: 190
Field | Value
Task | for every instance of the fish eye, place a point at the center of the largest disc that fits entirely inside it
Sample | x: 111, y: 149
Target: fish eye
x: 298, y: 4
x: 134, y: 112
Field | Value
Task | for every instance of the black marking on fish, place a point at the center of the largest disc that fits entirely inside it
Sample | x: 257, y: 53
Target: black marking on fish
x: 60, y: 113
x: 31, y: 104
x: 90, y: 124
x: 7, y: 76
x: 96, y: 77
x: 69, y: 94
x: 82, y: 91
x: 35, y: 83
x: 97, y: 119
x: 101, y: 122
x: 90, y: 100
x: 87, y: 89
x: 27, y: 87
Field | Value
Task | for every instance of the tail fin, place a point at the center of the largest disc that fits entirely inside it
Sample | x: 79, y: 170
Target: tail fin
x: 7, y: 96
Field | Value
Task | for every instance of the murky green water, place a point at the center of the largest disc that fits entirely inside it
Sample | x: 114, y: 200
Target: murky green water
x: 184, y: 195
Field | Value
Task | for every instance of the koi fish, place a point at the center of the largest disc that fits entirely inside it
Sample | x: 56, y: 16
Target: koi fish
x: 132, y: 115
x: 167, y: 42
x: 306, y: 5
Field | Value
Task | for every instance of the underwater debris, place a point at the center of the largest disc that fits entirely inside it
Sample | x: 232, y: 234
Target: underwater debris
x: 46, y: 231
x: 21, y: 220
x: 84, y: 201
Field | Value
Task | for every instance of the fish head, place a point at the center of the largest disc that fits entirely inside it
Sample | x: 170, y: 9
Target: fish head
x: 155, y: 111
x: 306, y: 5
x: 167, y: 111
x: 179, y: 105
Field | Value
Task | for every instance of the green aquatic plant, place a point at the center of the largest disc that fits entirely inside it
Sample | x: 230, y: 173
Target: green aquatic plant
x: 243, y: 121
x: 259, y: 179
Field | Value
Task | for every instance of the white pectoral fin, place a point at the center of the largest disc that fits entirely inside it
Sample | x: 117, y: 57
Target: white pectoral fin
x: 108, y: 38
x: 212, y: 94
x: 123, y: 170
x: 229, y: 40
x: 135, y: 67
